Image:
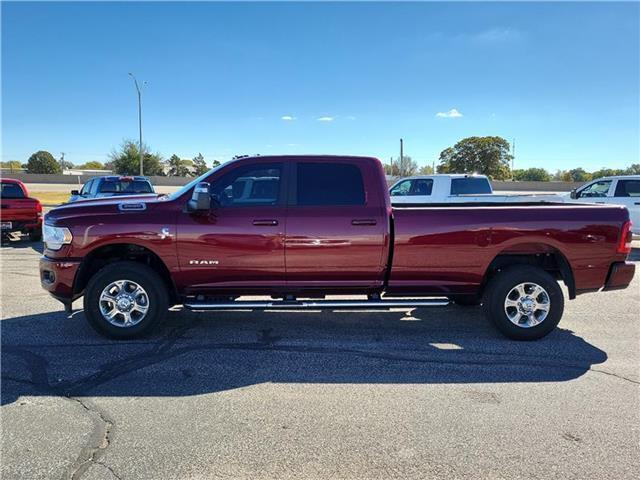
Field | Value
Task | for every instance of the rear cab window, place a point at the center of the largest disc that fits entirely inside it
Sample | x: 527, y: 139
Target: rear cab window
x: 11, y: 190
x: 125, y: 186
x: 334, y: 184
x: 470, y: 186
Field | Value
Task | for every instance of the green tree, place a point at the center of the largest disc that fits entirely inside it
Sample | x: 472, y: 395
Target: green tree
x: 487, y: 155
x: 11, y: 165
x: 126, y: 160
x: 426, y: 170
x: 634, y: 169
x: 43, y: 162
x: 92, y: 165
x: 531, y: 175
x: 199, y: 165
x: 178, y: 167
x: 579, y: 175
x: 607, y: 172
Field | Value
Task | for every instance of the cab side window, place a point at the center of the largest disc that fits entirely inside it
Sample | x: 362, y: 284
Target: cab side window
x: 628, y: 188
x: 402, y: 189
x: 253, y: 185
x: 596, y: 189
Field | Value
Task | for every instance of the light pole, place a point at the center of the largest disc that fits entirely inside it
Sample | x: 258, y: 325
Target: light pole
x: 135, y: 81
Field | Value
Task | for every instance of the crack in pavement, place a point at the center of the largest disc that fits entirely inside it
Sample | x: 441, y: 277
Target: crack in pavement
x: 100, y: 439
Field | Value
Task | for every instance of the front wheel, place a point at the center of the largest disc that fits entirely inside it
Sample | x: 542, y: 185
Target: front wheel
x: 524, y: 302
x: 125, y: 300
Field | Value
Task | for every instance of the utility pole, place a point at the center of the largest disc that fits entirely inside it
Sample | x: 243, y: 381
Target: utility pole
x: 513, y: 155
x: 135, y: 81
x: 62, y: 161
x: 401, y: 165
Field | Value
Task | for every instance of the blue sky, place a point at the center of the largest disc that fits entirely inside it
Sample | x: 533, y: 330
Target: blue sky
x: 352, y: 78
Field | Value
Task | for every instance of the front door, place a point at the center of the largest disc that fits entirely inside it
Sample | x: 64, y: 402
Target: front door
x: 240, y: 243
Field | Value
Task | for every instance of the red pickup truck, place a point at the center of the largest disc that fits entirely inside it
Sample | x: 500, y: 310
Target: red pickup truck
x: 299, y: 228
x: 18, y: 211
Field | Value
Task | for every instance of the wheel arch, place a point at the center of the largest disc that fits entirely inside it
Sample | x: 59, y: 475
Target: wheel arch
x: 544, y: 255
x: 113, y: 252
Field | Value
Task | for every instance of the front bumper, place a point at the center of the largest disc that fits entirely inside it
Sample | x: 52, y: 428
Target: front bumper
x: 57, y: 276
x: 620, y: 276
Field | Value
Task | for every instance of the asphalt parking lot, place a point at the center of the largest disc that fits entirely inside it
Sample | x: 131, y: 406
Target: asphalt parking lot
x: 371, y: 395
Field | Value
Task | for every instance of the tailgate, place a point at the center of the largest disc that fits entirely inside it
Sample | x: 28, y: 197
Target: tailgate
x: 18, y: 209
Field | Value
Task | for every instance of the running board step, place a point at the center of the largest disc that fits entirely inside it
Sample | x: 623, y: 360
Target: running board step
x: 315, y: 305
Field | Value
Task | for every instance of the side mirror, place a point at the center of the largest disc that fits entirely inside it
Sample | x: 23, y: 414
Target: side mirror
x: 75, y: 192
x: 200, y: 198
x: 573, y: 194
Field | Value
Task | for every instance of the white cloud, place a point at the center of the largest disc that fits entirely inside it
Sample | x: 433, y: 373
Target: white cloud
x: 453, y: 113
x: 287, y: 118
x: 325, y: 119
x: 496, y: 35
x: 350, y: 117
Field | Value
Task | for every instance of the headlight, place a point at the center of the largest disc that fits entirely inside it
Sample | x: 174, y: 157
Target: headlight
x: 55, y: 237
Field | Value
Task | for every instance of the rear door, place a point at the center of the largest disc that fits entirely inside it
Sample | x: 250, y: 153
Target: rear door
x: 336, y: 226
x: 627, y: 193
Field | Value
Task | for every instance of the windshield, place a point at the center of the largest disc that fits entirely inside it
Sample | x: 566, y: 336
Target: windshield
x: 192, y: 183
x: 125, y: 186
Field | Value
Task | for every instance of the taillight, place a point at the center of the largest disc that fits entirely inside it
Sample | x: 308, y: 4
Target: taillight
x: 38, y: 209
x: 626, y: 236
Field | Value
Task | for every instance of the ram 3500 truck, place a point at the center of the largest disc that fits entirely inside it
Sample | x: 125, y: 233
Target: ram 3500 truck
x: 313, y: 226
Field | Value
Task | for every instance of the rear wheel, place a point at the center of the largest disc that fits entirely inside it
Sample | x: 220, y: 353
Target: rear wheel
x: 125, y: 300
x: 524, y: 302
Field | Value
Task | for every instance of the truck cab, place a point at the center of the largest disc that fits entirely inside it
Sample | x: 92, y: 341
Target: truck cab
x: 619, y: 190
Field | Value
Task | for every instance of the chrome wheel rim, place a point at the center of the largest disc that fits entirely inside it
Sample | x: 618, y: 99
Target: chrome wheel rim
x: 124, y: 303
x: 527, y: 305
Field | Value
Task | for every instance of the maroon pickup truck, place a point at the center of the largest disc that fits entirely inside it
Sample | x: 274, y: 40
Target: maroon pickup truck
x: 299, y: 228
x: 18, y: 211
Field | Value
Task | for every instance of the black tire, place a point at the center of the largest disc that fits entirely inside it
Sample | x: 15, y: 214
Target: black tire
x: 35, y: 235
x: 502, y: 284
x: 146, y: 278
x: 466, y: 300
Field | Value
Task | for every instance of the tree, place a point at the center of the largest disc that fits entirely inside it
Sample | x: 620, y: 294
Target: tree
x: 178, y: 167
x: 11, y: 165
x: 531, y: 175
x: 426, y: 170
x: 92, y: 165
x: 634, y: 169
x: 487, y: 155
x: 607, y: 172
x: 126, y: 160
x: 199, y: 165
x: 43, y: 162
x: 579, y: 175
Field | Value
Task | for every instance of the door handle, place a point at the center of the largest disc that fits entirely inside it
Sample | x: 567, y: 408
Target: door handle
x: 363, y: 222
x: 265, y: 223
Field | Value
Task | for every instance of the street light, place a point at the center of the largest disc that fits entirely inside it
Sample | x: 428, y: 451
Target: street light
x: 135, y: 81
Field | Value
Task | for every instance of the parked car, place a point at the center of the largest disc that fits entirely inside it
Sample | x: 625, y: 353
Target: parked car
x: 619, y: 190
x: 454, y: 188
x: 328, y: 228
x: 19, y: 212
x: 111, y: 186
